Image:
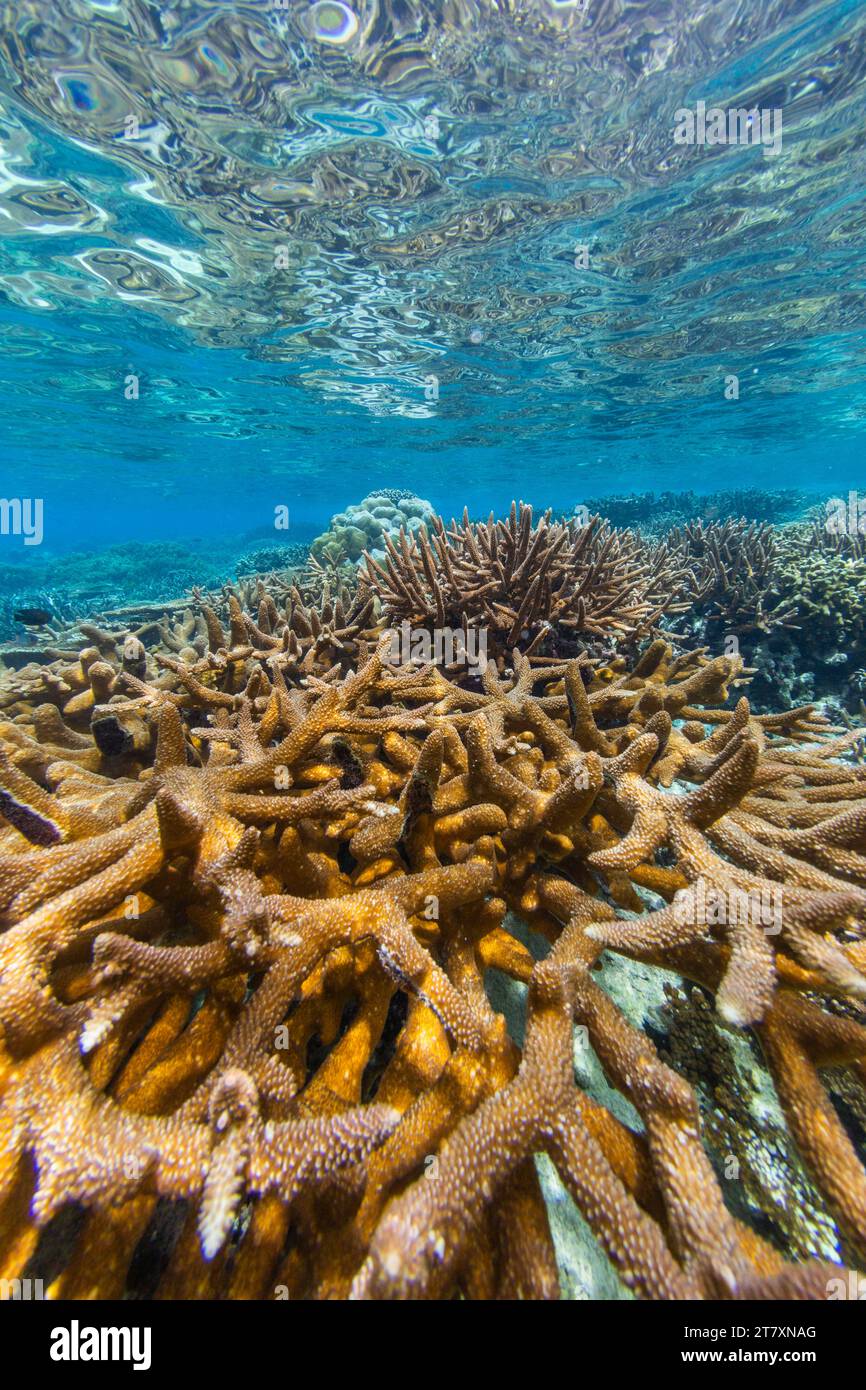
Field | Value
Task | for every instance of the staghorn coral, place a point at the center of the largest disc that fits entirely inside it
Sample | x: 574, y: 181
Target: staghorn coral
x: 734, y: 573
x: 242, y: 971
x: 531, y: 585
x: 783, y: 593
x: 322, y: 626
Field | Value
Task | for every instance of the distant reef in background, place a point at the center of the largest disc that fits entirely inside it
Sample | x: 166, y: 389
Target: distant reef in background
x: 749, y: 571
x: 79, y: 583
x: 656, y: 512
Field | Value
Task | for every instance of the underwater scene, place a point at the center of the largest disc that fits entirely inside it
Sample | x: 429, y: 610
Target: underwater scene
x: 432, y: 651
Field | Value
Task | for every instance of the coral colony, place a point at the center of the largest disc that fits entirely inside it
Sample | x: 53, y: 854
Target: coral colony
x: 260, y: 861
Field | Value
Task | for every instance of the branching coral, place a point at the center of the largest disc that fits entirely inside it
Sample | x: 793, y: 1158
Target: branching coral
x: 734, y: 574
x: 547, y: 589
x: 529, y: 584
x: 823, y: 573
x: 317, y: 630
x: 243, y: 969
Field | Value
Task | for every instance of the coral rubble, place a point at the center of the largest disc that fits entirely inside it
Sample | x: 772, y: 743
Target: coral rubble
x: 251, y: 889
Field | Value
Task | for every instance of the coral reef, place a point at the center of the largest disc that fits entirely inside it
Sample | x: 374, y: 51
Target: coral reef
x: 368, y: 525
x: 250, y: 895
x: 790, y: 594
x: 655, y: 513
x: 823, y: 575
x: 800, y: 612
x: 81, y: 582
x: 315, y: 634
x: 734, y: 568
x: 265, y: 559
x: 535, y: 585
x: 90, y: 583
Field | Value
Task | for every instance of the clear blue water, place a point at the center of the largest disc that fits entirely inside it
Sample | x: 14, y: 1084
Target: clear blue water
x: 305, y: 225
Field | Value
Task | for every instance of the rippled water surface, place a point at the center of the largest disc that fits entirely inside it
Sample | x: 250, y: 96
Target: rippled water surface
x: 338, y: 246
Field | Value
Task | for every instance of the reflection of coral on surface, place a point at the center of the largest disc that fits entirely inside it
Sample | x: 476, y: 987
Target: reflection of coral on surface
x: 242, y: 977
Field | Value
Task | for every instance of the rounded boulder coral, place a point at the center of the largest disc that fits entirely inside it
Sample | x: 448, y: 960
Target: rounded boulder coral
x: 365, y: 524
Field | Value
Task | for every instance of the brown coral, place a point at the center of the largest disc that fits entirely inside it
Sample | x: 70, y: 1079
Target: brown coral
x: 734, y: 576
x: 243, y: 963
x: 533, y: 585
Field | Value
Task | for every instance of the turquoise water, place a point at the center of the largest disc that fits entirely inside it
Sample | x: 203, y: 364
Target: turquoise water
x: 336, y: 248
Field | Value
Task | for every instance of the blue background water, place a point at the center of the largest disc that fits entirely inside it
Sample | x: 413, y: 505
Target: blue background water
x: 419, y: 249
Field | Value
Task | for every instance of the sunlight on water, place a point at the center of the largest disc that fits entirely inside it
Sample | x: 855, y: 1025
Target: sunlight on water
x: 453, y: 245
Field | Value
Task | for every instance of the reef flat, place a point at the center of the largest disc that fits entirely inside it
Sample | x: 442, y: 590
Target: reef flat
x: 326, y: 973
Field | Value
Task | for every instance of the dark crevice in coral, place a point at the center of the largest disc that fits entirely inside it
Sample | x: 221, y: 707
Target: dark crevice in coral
x: 154, y: 1250
x: 384, y: 1050
x: 346, y: 859
x: 56, y: 1242
x: 318, y: 1051
x: 849, y: 1118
